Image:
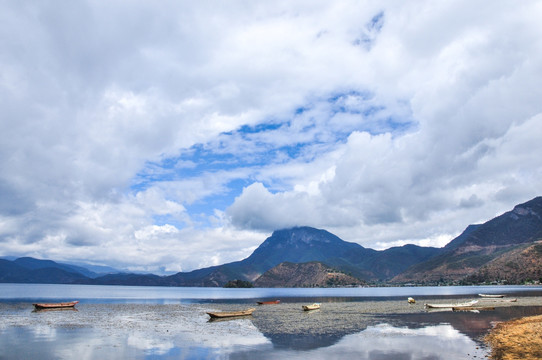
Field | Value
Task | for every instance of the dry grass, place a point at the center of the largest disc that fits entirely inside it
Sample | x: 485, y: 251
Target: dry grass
x: 517, y: 339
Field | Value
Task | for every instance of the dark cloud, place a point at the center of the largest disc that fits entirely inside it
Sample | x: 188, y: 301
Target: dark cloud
x: 13, y: 202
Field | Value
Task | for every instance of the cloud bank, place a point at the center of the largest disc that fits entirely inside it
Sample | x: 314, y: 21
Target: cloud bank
x: 174, y: 136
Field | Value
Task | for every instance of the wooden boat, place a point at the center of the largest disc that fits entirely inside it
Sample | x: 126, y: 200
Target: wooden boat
x: 446, y: 306
x: 509, y: 300
x: 229, y: 314
x: 498, y: 300
x: 491, y: 295
x: 314, y: 306
x: 473, y: 308
x: 268, y: 302
x: 64, y: 309
x: 411, y: 300
x: 55, y: 305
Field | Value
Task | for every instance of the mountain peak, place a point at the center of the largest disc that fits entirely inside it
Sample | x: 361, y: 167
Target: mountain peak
x: 530, y: 208
x: 299, y: 245
x: 303, y: 235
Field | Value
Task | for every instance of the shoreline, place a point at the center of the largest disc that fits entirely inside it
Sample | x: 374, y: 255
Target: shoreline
x: 516, y: 339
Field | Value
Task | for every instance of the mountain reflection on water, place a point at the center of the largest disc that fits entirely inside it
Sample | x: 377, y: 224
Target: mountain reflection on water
x: 385, y: 341
x: 329, y: 328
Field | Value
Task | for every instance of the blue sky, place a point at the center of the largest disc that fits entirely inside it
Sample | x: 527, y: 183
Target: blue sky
x: 246, y: 150
x: 180, y: 135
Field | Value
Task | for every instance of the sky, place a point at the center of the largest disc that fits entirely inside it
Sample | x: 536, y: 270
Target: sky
x: 169, y: 136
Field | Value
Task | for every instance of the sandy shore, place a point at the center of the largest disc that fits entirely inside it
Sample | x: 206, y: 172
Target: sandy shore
x: 517, y: 339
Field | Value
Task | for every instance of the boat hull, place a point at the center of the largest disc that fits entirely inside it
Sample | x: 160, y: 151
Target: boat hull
x: 473, y: 308
x: 268, y: 302
x: 449, y: 306
x: 311, y: 307
x: 494, y: 296
x: 230, y: 314
x: 41, y: 306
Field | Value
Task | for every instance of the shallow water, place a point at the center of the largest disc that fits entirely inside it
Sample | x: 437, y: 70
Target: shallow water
x: 153, y: 294
x: 106, y: 325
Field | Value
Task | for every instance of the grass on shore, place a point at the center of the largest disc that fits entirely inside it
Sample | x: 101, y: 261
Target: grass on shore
x: 517, y: 339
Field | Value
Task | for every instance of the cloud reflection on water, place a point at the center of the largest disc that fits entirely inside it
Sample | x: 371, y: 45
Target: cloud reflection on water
x: 100, y: 331
x: 386, y: 342
x: 156, y: 346
x: 381, y: 342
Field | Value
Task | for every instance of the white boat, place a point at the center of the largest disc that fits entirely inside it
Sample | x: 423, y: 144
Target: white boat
x: 491, y: 295
x: 446, y: 306
x: 311, y: 307
x: 411, y: 300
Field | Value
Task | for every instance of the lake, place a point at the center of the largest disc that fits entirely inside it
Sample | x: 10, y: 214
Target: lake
x: 128, y: 322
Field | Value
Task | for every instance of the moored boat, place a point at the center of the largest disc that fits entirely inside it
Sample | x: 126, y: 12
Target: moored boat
x: 447, y: 306
x: 411, y: 300
x: 499, y: 300
x: 70, y: 304
x: 314, y: 306
x: 43, y: 310
x: 268, y: 302
x: 227, y: 314
x: 491, y: 295
x: 473, y: 308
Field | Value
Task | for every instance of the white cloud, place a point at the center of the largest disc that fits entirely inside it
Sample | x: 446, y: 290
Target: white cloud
x: 406, y: 130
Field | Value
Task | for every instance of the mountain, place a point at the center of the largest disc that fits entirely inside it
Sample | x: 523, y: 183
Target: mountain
x: 506, y: 247
x: 481, y: 244
x: 306, y: 244
x: 296, y: 245
x: 131, y: 280
x: 92, y: 270
x: 31, y: 270
x: 311, y: 274
x: 35, y: 264
x: 524, y: 263
x: 13, y: 272
x: 390, y: 262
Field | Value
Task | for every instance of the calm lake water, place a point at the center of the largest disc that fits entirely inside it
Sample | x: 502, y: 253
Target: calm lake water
x: 117, y: 322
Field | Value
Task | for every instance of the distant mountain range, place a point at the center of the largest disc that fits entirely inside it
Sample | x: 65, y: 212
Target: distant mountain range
x: 506, y: 248
x: 481, y: 252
